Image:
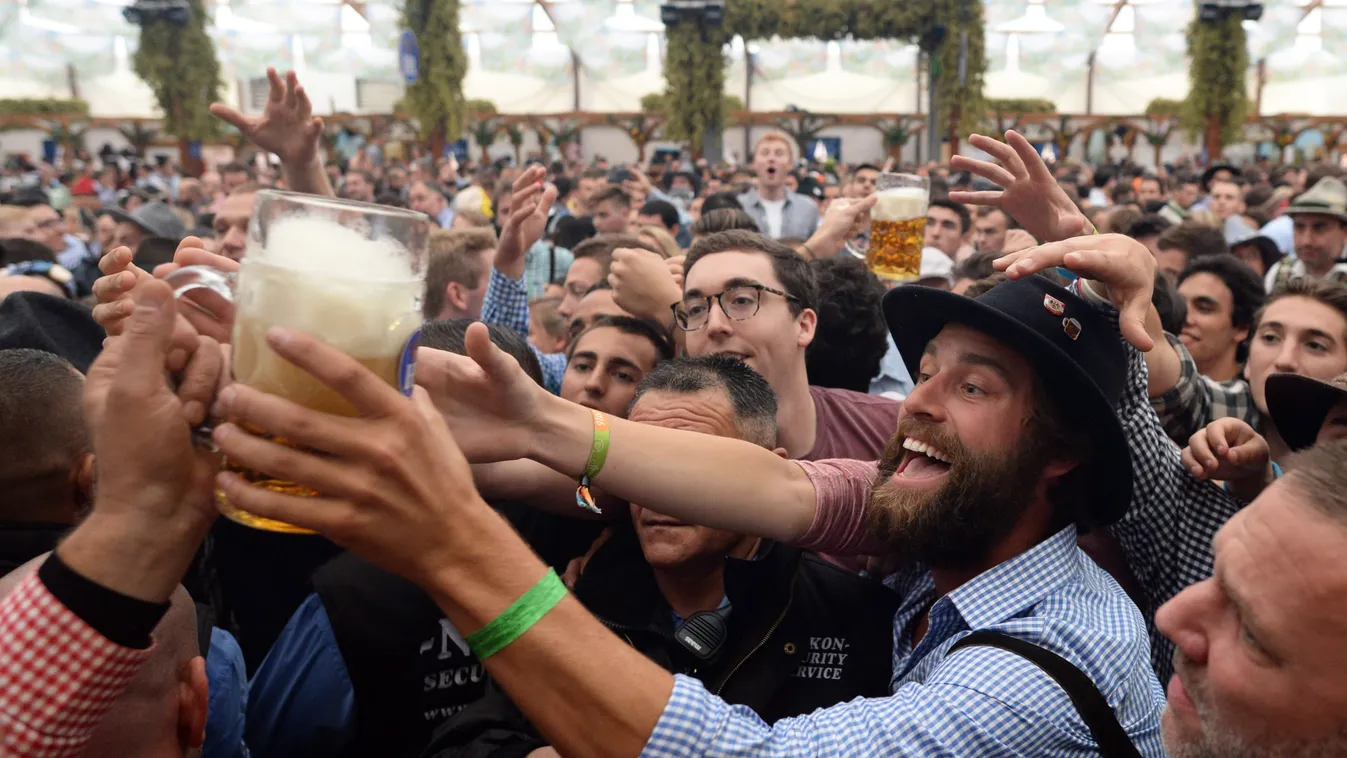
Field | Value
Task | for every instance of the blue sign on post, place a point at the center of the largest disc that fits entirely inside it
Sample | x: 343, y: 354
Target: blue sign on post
x: 409, y: 56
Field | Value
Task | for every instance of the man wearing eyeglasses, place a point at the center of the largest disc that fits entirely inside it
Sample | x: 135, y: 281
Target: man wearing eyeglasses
x: 750, y: 297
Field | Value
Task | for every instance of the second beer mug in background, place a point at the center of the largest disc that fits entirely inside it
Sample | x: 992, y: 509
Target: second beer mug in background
x: 898, y: 226
x: 351, y: 274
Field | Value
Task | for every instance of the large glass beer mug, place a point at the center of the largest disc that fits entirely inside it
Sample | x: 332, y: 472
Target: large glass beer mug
x: 898, y: 226
x: 351, y: 274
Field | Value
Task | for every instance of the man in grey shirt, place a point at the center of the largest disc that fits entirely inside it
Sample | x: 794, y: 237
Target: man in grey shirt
x: 778, y: 211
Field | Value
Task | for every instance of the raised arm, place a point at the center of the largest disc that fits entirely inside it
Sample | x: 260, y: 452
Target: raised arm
x: 288, y: 128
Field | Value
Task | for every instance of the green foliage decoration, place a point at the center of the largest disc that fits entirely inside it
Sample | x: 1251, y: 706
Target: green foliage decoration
x: 179, y: 65
x: 1218, y: 100
x: 1019, y: 105
x: 694, y: 66
x: 436, y: 99
x: 30, y: 106
x: 1164, y: 106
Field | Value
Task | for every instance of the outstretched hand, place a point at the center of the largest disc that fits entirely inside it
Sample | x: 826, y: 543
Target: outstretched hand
x: 1030, y: 195
x: 487, y: 399
x: 287, y: 126
x: 530, y: 202
x: 1122, y: 268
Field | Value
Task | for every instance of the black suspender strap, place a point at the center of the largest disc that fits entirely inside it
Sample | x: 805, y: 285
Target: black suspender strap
x: 1093, y: 708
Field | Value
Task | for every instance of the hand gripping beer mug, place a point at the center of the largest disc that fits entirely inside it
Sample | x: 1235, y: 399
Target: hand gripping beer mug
x: 898, y: 226
x: 351, y: 274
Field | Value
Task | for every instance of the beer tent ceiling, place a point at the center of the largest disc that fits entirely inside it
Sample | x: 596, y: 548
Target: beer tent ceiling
x: 521, y: 56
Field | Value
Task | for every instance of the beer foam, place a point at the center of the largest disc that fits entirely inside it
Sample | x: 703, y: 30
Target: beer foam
x: 326, y: 248
x: 901, y: 204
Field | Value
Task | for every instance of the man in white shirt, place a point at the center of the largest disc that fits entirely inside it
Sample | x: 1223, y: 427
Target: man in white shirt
x: 778, y: 211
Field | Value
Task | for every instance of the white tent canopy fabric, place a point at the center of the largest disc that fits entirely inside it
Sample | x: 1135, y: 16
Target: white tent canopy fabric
x: 521, y: 54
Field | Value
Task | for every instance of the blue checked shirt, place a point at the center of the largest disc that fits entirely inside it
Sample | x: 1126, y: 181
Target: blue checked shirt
x: 979, y: 702
x: 507, y: 303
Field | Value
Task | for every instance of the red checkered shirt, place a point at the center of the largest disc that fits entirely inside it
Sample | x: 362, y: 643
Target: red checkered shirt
x: 58, y: 677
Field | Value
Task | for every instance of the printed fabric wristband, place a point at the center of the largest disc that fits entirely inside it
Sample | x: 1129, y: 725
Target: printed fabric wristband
x: 598, y: 455
x: 518, y: 618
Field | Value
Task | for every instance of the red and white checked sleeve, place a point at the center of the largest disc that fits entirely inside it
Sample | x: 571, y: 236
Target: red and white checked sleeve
x: 58, y: 676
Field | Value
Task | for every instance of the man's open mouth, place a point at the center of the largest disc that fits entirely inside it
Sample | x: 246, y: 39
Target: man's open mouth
x: 921, y: 460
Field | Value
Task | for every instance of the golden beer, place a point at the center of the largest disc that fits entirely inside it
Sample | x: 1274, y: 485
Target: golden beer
x: 371, y: 321
x: 351, y: 274
x: 897, y: 233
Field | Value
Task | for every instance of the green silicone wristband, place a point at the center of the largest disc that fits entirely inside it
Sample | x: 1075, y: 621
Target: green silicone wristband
x: 598, y: 450
x: 518, y: 618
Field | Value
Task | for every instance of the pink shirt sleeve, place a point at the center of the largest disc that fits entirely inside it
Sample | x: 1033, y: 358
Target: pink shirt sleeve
x: 58, y: 676
x: 843, y: 493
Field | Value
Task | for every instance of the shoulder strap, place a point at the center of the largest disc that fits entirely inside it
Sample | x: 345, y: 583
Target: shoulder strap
x: 1093, y: 708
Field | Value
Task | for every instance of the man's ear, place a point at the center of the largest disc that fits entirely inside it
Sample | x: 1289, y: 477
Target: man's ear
x: 807, y: 323
x: 193, y: 704
x: 455, y: 294
x: 782, y: 453
x: 82, y: 479
x: 1056, y: 469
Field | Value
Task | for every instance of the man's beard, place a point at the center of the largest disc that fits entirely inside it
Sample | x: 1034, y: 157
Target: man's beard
x: 957, y: 525
x: 1219, y: 740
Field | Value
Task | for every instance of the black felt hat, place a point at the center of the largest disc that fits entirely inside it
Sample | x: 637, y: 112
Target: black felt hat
x: 1073, y: 346
x: 57, y: 325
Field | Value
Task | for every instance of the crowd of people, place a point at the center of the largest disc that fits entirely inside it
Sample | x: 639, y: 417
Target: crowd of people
x: 680, y: 475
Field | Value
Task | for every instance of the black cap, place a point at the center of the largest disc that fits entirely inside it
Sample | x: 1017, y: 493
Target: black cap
x: 56, y: 325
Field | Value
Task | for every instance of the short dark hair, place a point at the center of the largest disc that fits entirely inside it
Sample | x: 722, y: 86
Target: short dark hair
x: 449, y: 335
x: 611, y: 193
x: 965, y: 217
x: 454, y: 257
x: 572, y: 230
x: 42, y: 426
x: 668, y: 215
x: 1171, y: 306
x: 641, y: 327
x: 750, y: 395
x: 1149, y: 225
x: 976, y: 266
x: 797, y: 279
x: 1103, y: 176
x: 1194, y: 239
x: 18, y: 250
x: 851, y: 337
x: 723, y: 220
x: 721, y: 201
x: 985, y: 285
x: 1246, y: 287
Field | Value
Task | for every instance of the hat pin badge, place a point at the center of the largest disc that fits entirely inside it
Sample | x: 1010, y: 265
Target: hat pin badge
x: 1071, y: 327
x: 1053, y: 305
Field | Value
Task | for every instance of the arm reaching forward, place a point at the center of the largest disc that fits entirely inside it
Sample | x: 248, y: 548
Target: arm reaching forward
x: 496, y: 413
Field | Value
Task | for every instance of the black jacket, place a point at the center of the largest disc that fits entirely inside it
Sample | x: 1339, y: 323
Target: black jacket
x: 802, y: 634
x: 409, y: 668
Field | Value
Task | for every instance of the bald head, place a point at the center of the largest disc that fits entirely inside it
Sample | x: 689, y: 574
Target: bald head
x: 162, y: 712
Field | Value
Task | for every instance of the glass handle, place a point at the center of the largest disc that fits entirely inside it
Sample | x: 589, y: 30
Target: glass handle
x: 218, y: 283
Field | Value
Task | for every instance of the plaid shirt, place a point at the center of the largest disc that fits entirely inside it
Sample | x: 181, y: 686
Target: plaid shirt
x: 507, y: 304
x: 981, y: 701
x: 545, y: 263
x: 1167, y: 531
x: 58, y: 676
x: 1196, y: 401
